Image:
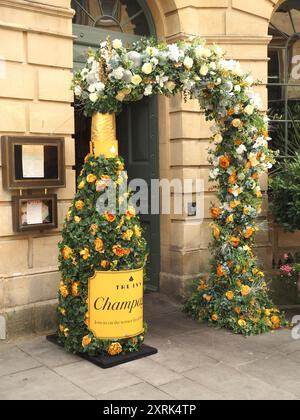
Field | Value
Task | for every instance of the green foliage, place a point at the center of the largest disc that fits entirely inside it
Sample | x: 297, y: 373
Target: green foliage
x: 95, y: 242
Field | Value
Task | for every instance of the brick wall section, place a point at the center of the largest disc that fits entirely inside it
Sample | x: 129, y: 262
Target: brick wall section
x: 36, y: 47
x: 241, y: 28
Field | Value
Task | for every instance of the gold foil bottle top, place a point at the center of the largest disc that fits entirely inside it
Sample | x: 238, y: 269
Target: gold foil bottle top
x: 103, y: 127
x: 104, y: 141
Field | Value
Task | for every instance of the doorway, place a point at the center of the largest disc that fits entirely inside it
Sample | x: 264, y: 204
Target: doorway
x: 137, y: 125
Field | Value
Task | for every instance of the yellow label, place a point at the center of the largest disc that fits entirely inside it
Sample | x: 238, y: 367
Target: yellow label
x: 116, y: 304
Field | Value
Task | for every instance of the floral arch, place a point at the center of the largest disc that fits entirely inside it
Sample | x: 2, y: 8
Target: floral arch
x: 236, y: 295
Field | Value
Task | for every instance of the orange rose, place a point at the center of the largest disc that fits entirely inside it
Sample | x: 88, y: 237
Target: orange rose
x: 75, y: 291
x: 230, y: 112
x: 232, y: 179
x: 230, y: 295
x: 79, y: 205
x: 224, y: 162
x: 220, y: 271
x: 86, y: 341
x: 237, y: 310
x: 91, y: 178
x: 216, y: 212
x: 119, y: 251
x: 105, y: 178
x: 130, y: 213
x: 110, y: 217
x: 215, y: 317
x: 234, y: 204
x: 99, y: 246
x: 67, y: 253
x: 248, y: 233
x: 235, y: 241
x: 245, y: 291
x: 208, y: 298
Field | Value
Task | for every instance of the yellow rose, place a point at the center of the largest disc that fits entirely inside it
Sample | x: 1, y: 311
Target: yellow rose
x: 93, y: 229
x: 230, y: 219
x: 77, y: 219
x: 204, y: 70
x: 136, y: 80
x: 86, y: 341
x: 64, y: 291
x: 114, y: 349
x: 85, y: 253
x: 127, y: 236
x: 230, y: 295
x: 79, y: 205
x: 137, y: 231
x: 245, y: 290
x: 81, y: 185
x: 242, y: 323
x: 99, y: 246
x: 91, y: 178
x: 120, y: 96
x: 237, y: 123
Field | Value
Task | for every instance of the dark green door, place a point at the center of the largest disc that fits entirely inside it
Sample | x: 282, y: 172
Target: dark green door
x: 137, y: 128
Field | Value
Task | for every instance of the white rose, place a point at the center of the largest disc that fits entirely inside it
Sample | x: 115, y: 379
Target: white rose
x: 237, y: 88
x: 77, y: 90
x: 241, y: 149
x: 152, y: 51
x: 249, y: 80
x: 92, y: 88
x: 148, y: 90
x: 204, y: 70
x: 217, y: 50
x: 93, y: 97
x: 249, y: 109
x: 100, y: 87
x: 117, y: 43
x: 118, y: 73
x: 202, y: 52
x: 188, y: 63
x: 213, y: 65
x: 147, y: 68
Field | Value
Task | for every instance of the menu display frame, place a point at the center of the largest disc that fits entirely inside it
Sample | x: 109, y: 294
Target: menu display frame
x: 19, y: 202
x: 11, y: 161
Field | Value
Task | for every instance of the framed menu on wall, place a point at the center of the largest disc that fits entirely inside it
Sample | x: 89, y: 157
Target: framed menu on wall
x: 33, y: 212
x: 33, y: 162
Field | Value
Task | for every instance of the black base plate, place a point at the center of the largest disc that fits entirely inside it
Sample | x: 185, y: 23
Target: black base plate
x: 106, y: 362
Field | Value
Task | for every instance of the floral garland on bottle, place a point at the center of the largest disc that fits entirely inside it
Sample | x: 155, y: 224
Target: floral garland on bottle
x: 235, y: 295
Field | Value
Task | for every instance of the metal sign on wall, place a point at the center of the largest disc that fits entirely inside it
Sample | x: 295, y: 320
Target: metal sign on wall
x: 116, y: 304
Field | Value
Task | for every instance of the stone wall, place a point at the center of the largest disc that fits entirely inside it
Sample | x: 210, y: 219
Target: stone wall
x: 36, y: 51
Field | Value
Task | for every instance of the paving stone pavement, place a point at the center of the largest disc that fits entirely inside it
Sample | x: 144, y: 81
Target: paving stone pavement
x: 194, y: 363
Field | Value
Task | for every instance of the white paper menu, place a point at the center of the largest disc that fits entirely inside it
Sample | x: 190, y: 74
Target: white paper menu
x: 33, y: 161
x: 34, y: 212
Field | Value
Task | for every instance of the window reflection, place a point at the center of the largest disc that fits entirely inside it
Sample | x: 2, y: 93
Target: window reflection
x: 114, y: 15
